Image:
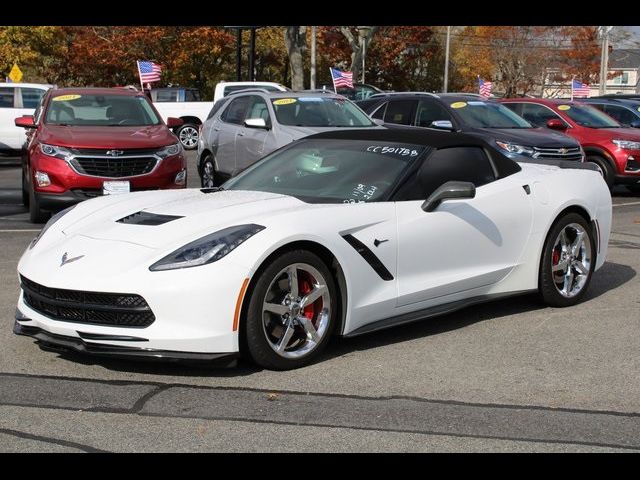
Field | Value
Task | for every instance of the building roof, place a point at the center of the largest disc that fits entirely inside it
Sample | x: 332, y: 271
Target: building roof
x: 624, y: 58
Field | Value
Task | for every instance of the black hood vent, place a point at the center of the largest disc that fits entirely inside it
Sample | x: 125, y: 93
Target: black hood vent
x: 147, y: 218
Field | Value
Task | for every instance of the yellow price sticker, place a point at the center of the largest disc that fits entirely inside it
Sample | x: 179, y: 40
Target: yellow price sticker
x: 458, y: 104
x: 564, y: 107
x: 284, y: 101
x: 64, y: 98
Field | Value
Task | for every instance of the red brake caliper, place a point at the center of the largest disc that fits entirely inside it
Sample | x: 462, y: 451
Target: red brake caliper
x: 555, y: 259
x: 305, y: 286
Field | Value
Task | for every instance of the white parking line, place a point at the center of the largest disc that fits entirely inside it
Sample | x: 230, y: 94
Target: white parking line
x: 626, y: 204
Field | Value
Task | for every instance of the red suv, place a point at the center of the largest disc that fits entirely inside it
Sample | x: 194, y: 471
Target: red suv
x: 614, y: 148
x: 86, y: 142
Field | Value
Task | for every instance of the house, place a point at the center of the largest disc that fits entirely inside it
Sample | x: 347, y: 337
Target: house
x: 623, y: 76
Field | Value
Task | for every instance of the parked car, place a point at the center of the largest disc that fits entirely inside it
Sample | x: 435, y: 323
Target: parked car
x: 17, y: 99
x: 615, y: 149
x: 247, y: 125
x: 87, y: 142
x: 338, y: 234
x: 471, y: 113
x: 625, y: 110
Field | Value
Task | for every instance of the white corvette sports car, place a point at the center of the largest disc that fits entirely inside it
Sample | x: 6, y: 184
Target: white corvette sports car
x: 343, y: 233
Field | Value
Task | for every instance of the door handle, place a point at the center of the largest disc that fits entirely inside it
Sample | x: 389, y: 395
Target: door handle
x: 216, y: 129
x: 240, y: 134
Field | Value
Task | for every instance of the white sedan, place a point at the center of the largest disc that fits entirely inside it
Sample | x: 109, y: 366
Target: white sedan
x: 341, y: 233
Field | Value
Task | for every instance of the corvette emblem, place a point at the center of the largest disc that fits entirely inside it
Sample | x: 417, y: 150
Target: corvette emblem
x: 65, y: 259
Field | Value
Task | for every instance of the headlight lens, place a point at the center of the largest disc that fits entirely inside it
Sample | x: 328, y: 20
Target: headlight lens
x: 169, y: 150
x: 627, y: 144
x: 516, y: 149
x: 207, y: 249
x: 55, y: 151
x: 48, y: 225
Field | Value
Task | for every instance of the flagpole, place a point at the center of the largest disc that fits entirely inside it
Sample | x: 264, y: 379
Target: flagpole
x: 572, y: 79
x: 140, y: 75
x: 333, y: 80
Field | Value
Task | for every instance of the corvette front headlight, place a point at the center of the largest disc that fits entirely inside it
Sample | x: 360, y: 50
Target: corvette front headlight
x: 207, y: 249
x: 516, y: 149
x: 169, y: 150
x: 627, y: 144
x: 49, y: 224
x: 55, y: 151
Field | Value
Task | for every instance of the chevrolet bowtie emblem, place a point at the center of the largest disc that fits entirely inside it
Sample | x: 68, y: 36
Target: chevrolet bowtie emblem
x: 114, y: 153
x: 564, y: 150
x: 65, y: 259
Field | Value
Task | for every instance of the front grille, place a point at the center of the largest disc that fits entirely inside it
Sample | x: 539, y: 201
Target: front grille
x: 101, y: 152
x: 111, y: 309
x: 573, y: 153
x: 114, y: 167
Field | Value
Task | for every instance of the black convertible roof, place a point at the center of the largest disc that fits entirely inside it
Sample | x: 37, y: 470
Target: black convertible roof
x: 415, y: 135
x: 503, y: 165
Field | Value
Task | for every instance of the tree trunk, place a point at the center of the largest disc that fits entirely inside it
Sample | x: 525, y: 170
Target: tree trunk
x: 357, y: 47
x: 295, y: 39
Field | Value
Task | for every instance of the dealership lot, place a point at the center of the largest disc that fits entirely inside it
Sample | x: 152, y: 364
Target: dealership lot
x: 505, y: 376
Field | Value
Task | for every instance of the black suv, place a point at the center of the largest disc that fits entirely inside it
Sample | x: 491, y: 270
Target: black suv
x: 625, y: 110
x: 471, y: 113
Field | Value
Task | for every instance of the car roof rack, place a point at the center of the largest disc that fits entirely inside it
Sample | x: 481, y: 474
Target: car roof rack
x: 384, y: 94
x: 251, y: 89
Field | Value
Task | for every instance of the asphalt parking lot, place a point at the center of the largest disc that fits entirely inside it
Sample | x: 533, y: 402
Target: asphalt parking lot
x: 505, y: 376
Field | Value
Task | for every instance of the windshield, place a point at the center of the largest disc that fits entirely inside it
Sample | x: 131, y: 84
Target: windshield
x: 587, y: 116
x: 330, y: 170
x: 100, y: 110
x: 319, y: 112
x: 481, y: 114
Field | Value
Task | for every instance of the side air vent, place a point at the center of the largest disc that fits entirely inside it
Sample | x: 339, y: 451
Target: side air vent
x: 369, y: 257
x: 147, y: 218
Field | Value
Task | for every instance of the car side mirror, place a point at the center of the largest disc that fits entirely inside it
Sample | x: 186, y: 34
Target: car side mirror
x: 173, y: 122
x: 25, y: 121
x: 378, y: 121
x: 442, y: 125
x: 256, y: 123
x: 635, y: 123
x: 448, y: 191
x: 556, y: 124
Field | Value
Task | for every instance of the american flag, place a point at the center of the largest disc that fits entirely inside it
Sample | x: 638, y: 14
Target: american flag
x: 341, y: 79
x: 579, y: 89
x: 149, y: 71
x: 485, y: 88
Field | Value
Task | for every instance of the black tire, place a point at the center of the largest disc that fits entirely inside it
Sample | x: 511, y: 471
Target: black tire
x: 25, y: 191
x: 36, y: 214
x: 263, y: 350
x: 608, y: 173
x: 208, y: 172
x: 548, y: 287
x: 188, y: 135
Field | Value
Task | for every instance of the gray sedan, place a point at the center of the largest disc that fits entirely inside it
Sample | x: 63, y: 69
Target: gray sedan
x: 244, y: 127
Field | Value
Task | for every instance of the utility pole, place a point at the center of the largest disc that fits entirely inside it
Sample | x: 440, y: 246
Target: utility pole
x: 604, y: 58
x: 446, y: 61
x: 313, y: 58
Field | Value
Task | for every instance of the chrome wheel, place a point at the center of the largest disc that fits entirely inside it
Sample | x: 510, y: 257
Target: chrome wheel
x: 296, y: 311
x: 208, y: 173
x: 188, y: 136
x: 571, y: 258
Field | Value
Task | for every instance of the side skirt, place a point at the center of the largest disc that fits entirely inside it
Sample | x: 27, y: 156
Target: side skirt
x: 431, y: 312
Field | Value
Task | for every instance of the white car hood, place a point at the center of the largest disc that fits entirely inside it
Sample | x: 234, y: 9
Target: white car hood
x: 201, y: 214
